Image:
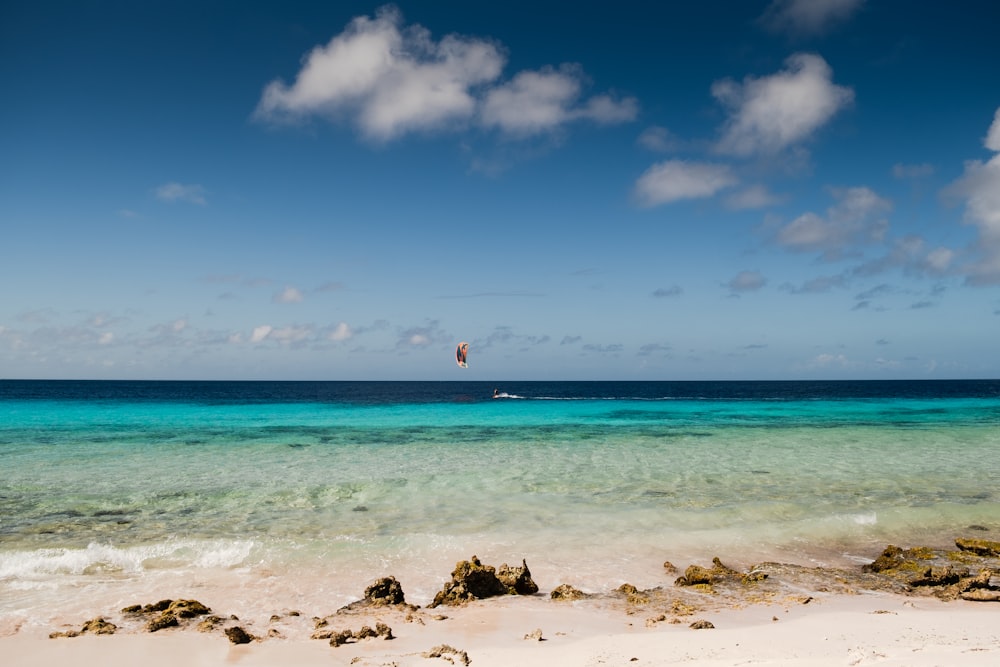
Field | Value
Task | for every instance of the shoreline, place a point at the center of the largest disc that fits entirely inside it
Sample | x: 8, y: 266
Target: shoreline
x: 904, y: 608
x: 832, y: 629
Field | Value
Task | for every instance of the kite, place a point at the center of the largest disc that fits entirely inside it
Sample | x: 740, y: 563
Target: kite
x: 461, y: 352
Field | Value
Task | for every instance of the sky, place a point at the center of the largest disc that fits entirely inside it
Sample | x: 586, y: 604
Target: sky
x: 746, y: 189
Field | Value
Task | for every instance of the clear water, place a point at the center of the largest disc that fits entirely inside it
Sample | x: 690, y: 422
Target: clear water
x: 266, y: 496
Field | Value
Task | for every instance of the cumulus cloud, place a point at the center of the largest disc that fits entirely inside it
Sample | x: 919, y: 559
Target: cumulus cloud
x: 771, y: 113
x: 390, y: 79
x: 673, y: 180
x: 979, y: 186
x: 807, y: 17
x: 992, y: 140
x: 387, y: 77
x: 858, y: 217
x: 539, y: 101
x: 171, y: 192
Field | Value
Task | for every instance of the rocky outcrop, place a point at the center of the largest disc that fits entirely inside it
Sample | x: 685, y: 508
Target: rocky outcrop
x: 565, y: 592
x: 168, y: 613
x: 95, y: 626
x: 695, y: 575
x: 384, y: 592
x: 340, y: 637
x: 238, y: 635
x: 471, y: 580
x: 926, y: 570
x: 979, y: 547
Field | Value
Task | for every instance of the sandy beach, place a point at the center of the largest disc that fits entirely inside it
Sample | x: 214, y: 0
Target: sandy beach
x: 892, y: 612
x: 882, y: 629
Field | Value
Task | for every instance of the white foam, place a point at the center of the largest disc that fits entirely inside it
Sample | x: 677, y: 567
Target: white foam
x: 98, y: 558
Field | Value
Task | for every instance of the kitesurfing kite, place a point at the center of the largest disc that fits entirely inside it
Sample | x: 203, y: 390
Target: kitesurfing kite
x: 461, y: 352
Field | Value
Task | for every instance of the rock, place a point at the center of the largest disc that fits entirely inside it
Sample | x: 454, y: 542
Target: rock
x: 979, y: 547
x: 342, y: 637
x: 171, y: 611
x: 566, y: 592
x: 669, y: 567
x: 187, y: 608
x: 162, y: 621
x: 517, y: 579
x: 67, y: 633
x: 209, y: 624
x: 98, y: 626
x: 981, y: 595
x: 444, y: 651
x: 702, y: 625
x: 238, y: 635
x: 633, y: 595
x: 696, y: 575
x: 471, y: 580
x: 383, y: 631
x: 940, y: 576
x: 535, y: 636
x: 385, y: 591
x: 890, y: 559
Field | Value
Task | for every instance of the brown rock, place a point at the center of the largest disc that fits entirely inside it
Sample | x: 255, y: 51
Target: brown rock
x: 470, y: 580
x: 702, y: 625
x: 238, y: 635
x: 164, y: 620
x: 566, y: 592
x: 891, y: 558
x: 385, y: 591
x: 98, y: 626
x: 443, y: 651
x: 979, y: 547
x: 517, y: 579
x: 981, y: 595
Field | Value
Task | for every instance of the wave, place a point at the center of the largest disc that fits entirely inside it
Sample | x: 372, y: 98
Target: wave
x: 97, y: 558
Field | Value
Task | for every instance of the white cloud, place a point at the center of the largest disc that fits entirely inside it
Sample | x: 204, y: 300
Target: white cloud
x: 288, y: 295
x: 290, y: 334
x: 856, y: 218
x: 192, y: 194
x: 747, y: 281
x: 390, y: 79
x: 341, y: 332
x: 774, y: 112
x: 826, y: 360
x: 979, y: 186
x: 807, y: 17
x: 260, y: 333
x: 992, y: 140
x: 673, y: 180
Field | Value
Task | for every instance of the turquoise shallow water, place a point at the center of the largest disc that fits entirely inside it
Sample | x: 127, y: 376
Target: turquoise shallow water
x: 109, y: 489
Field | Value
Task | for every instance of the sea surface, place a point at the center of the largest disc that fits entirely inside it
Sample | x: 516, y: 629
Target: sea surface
x: 263, y: 496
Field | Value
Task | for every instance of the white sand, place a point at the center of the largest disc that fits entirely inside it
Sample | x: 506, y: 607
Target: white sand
x: 871, y: 629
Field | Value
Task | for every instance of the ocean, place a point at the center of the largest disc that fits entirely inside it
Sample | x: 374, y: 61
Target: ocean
x: 261, y: 496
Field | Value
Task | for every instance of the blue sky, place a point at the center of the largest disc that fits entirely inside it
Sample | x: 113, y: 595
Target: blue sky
x: 752, y: 189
